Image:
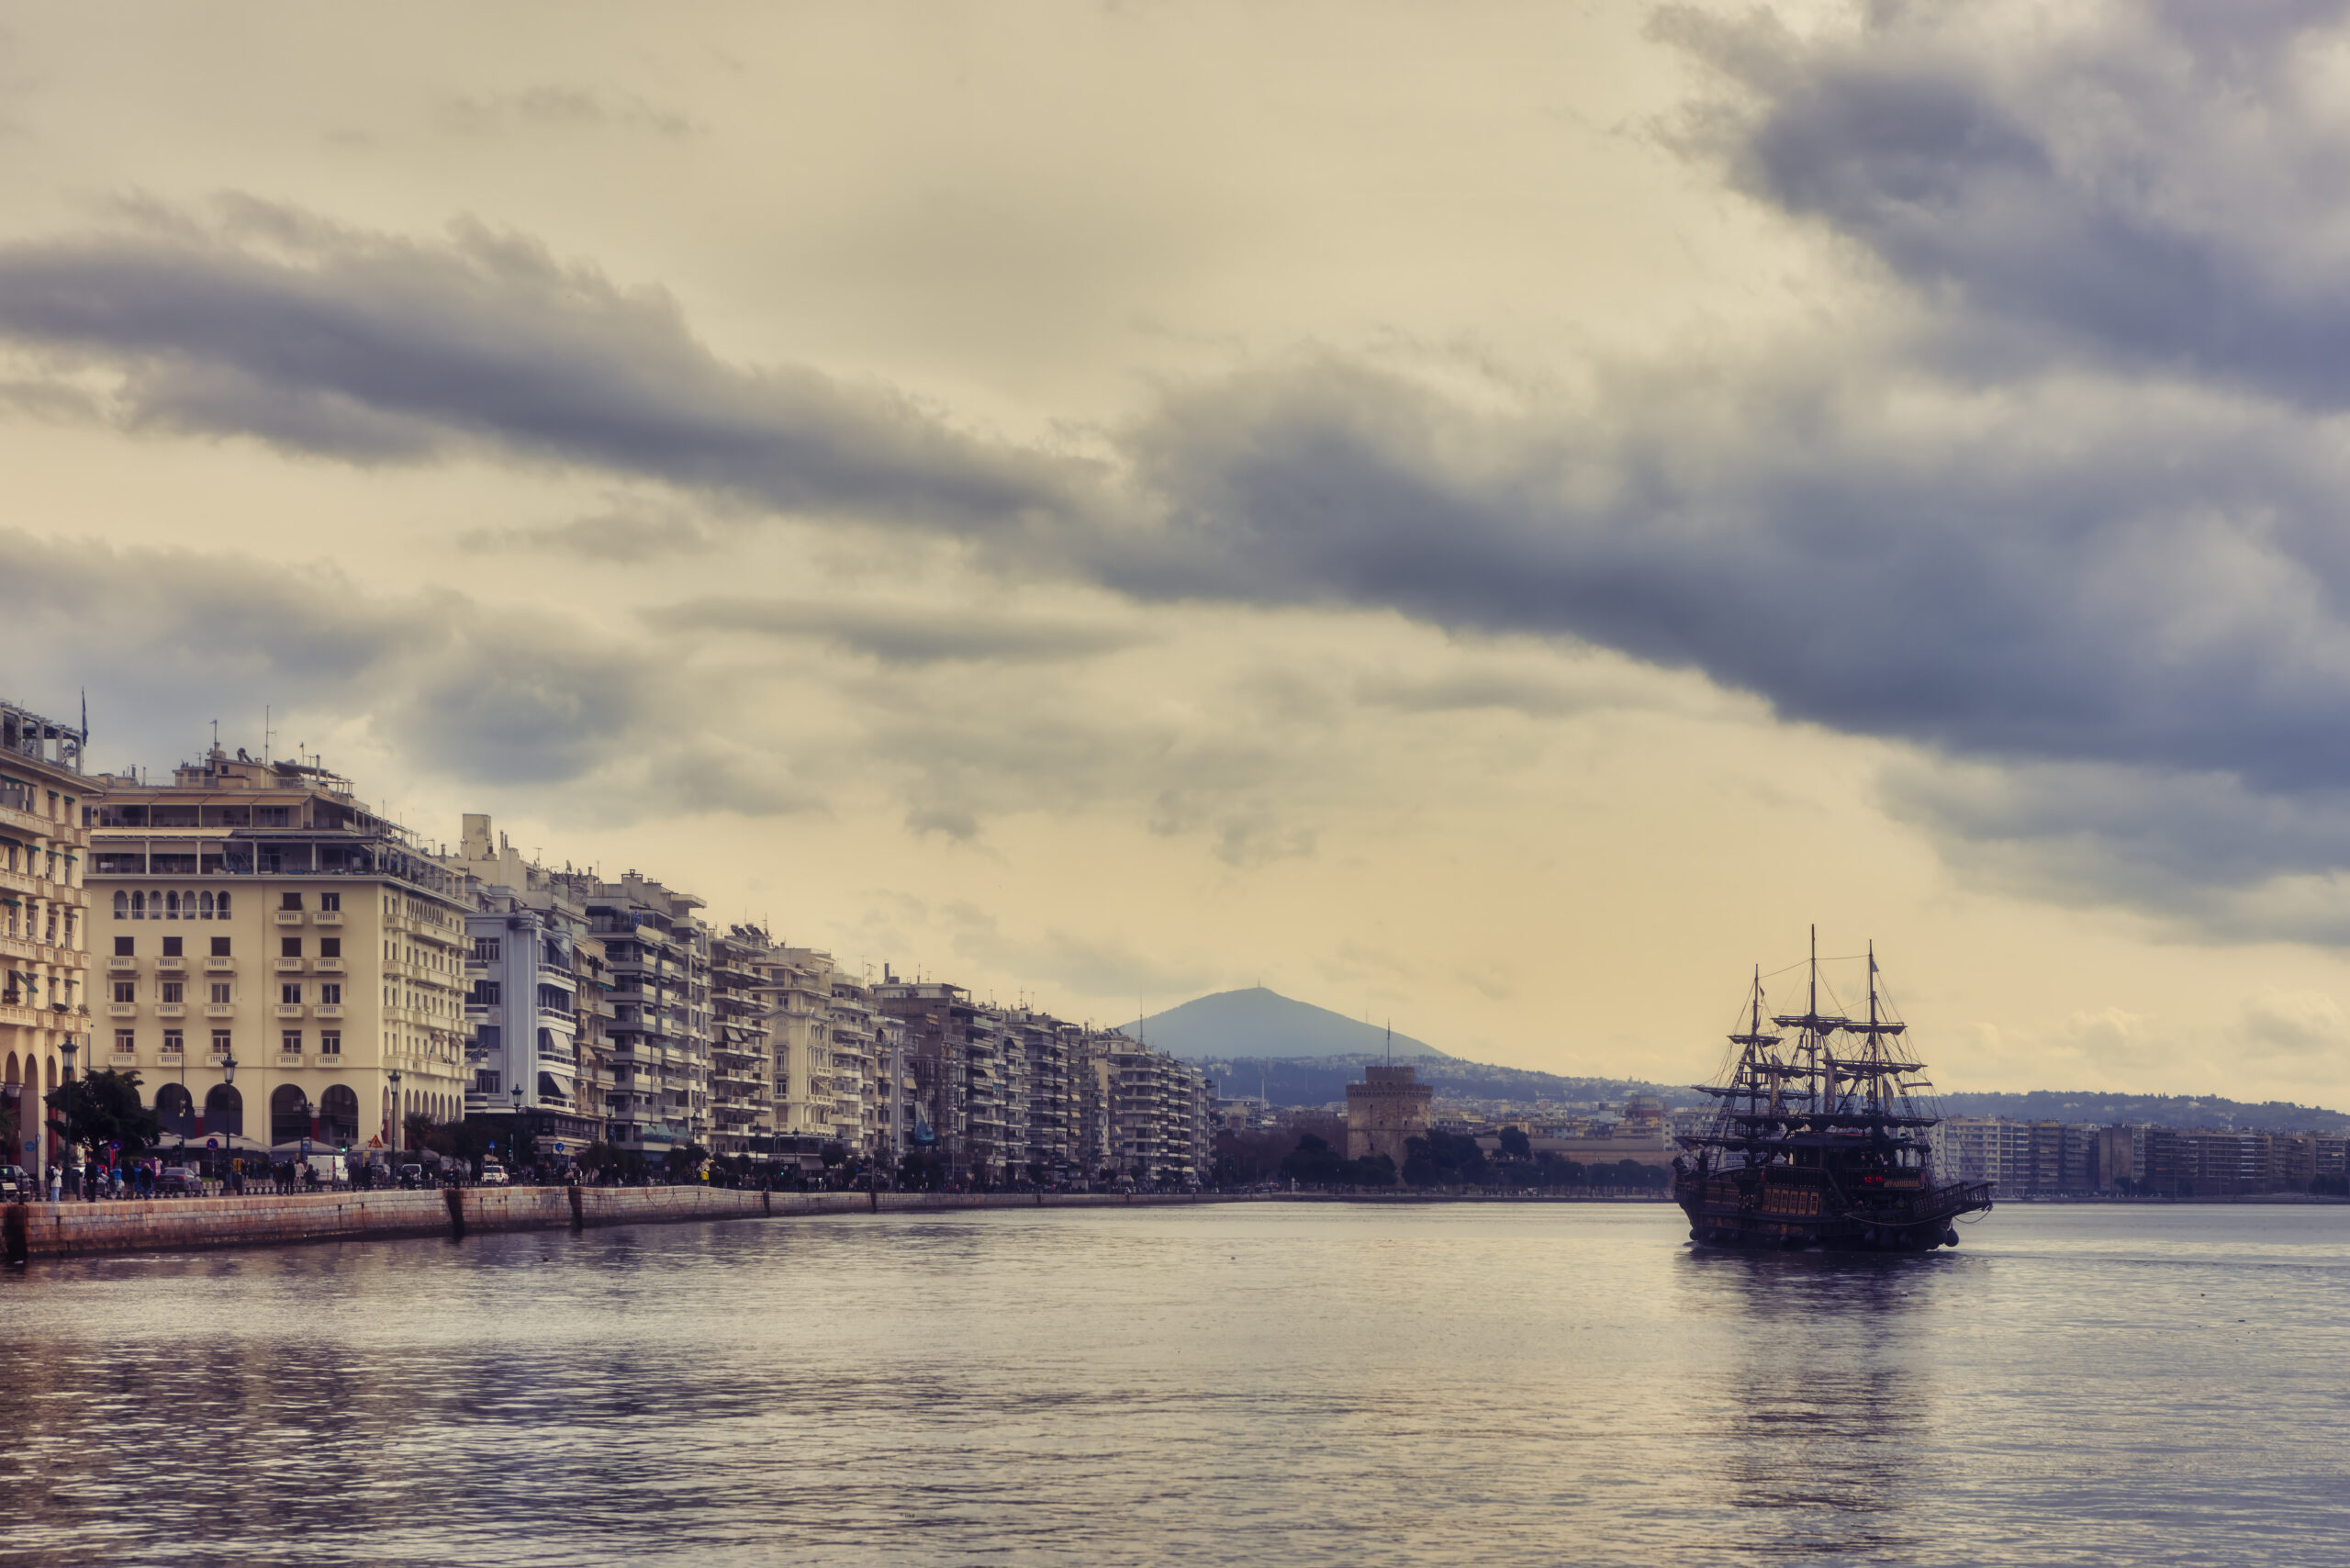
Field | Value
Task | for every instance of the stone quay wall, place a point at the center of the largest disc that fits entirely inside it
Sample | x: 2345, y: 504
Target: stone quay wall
x: 172, y: 1224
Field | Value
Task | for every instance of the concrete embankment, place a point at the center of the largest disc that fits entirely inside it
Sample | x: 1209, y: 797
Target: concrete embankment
x: 172, y: 1225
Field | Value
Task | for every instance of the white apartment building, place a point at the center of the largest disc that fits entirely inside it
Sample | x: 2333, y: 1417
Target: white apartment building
x: 658, y: 951
x: 525, y: 978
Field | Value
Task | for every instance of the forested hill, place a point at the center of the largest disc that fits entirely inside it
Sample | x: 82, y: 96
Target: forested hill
x: 2161, y: 1110
x: 1317, y: 1080
x: 1321, y: 1081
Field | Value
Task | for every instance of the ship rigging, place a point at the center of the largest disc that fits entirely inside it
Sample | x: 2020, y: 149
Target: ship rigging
x: 1811, y: 1147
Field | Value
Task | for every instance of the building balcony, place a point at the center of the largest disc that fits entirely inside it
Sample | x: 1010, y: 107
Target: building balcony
x: 220, y: 1010
x: 325, y: 916
x: 328, y: 965
x: 289, y: 966
x: 171, y: 1009
x: 288, y: 916
x: 121, y: 964
x: 288, y: 1010
x: 122, y: 1010
x: 330, y: 1010
x: 221, y: 965
x: 171, y: 965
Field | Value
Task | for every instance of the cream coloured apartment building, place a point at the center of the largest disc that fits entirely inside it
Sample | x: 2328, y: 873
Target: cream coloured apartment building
x: 261, y: 914
x: 44, y: 929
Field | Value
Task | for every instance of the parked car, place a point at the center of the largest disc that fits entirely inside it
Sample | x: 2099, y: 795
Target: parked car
x: 493, y: 1174
x: 178, y: 1181
x: 411, y: 1175
x: 16, y: 1184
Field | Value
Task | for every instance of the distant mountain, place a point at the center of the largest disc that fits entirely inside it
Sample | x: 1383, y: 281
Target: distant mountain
x: 1264, y: 1025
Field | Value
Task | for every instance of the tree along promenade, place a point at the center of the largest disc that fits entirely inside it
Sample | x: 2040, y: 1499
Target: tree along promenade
x: 174, y: 1225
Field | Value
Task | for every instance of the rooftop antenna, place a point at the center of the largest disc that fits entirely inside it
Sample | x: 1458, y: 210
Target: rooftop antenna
x: 1391, y: 1042
x: 265, y: 734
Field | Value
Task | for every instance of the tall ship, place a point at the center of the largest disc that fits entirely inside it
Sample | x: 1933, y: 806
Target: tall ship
x: 1819, y: 1138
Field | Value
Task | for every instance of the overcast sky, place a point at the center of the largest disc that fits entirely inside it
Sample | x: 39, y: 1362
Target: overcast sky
x: 1493, y: 517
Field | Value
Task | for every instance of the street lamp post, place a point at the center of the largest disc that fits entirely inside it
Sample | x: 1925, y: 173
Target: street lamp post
x: 229, y: 1080
x: 393, y: 1077
x: 514, y: 1137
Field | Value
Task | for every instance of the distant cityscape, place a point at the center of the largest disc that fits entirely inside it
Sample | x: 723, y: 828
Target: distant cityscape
x: 263, y: 936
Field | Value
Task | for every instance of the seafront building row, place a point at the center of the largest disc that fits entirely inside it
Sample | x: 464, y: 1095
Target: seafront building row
x: 278, y: 962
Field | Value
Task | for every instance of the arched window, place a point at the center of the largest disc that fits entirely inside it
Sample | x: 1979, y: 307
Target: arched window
x: 224, y: 906
x: 175, y: 1109
x: 207, y: 905
x: 289, y: 1115
x: 139, y: 906
x: 121, y: 905
x: 171, y: 905
x: 339, y: 1116
x: 224, y: 1110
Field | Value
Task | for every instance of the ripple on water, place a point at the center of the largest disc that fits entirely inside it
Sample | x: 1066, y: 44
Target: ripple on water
x: 1284, y: 1384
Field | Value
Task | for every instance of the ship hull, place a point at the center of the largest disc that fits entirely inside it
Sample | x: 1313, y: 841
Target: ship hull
x: 1781, y: 1221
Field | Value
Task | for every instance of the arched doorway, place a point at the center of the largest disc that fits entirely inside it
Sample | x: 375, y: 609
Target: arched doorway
x: 290, y: 1114
x: 175, y: 1109
x: 339, y: 1116
x: 224, y: 1110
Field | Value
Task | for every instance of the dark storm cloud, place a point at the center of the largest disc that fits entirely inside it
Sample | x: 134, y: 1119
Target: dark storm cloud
x: 322, y: 339
x: 901, y: 634
x: 2153, y: 185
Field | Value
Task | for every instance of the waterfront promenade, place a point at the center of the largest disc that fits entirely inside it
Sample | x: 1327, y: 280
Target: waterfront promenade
x: 170, y: 1224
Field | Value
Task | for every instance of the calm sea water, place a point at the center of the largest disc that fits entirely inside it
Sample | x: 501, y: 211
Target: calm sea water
x: 1264, y: 1385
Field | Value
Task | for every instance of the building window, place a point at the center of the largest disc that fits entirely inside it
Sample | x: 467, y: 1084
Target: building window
x: 290, y: 1043
x: 330, y: 1043
x: 126, y: 1043
x: 139, y: 906
x: 329, y: 947
x: 220, y: 993
x: 219, y: 947
x: 126, y: 990
x: 122, y: 906
x: 484, y: 1081
x: 486, y: 993
x: 171, y: 906
x: 172, y: 991
x: 484, y: 949
x: 289, y: 947
x: 174, y: 1042
x: 224, y: 906
x: 207, y: 907
x: 290, y: 994
x: 330, y: 994
x: 220, y: 1041
x: 330, y: 900
x: 122, y: 946
x: 289, y: 901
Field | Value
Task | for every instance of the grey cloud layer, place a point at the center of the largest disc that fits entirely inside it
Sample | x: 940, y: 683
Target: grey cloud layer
x: 321, y: 340
x: 2064, y: 497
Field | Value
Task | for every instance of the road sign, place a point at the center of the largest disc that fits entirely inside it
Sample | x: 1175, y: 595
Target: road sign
x: 212, y: 1143
x: 305, y: 1149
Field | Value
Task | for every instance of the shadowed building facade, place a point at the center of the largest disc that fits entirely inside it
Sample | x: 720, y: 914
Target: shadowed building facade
x: 1390, y: 1105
